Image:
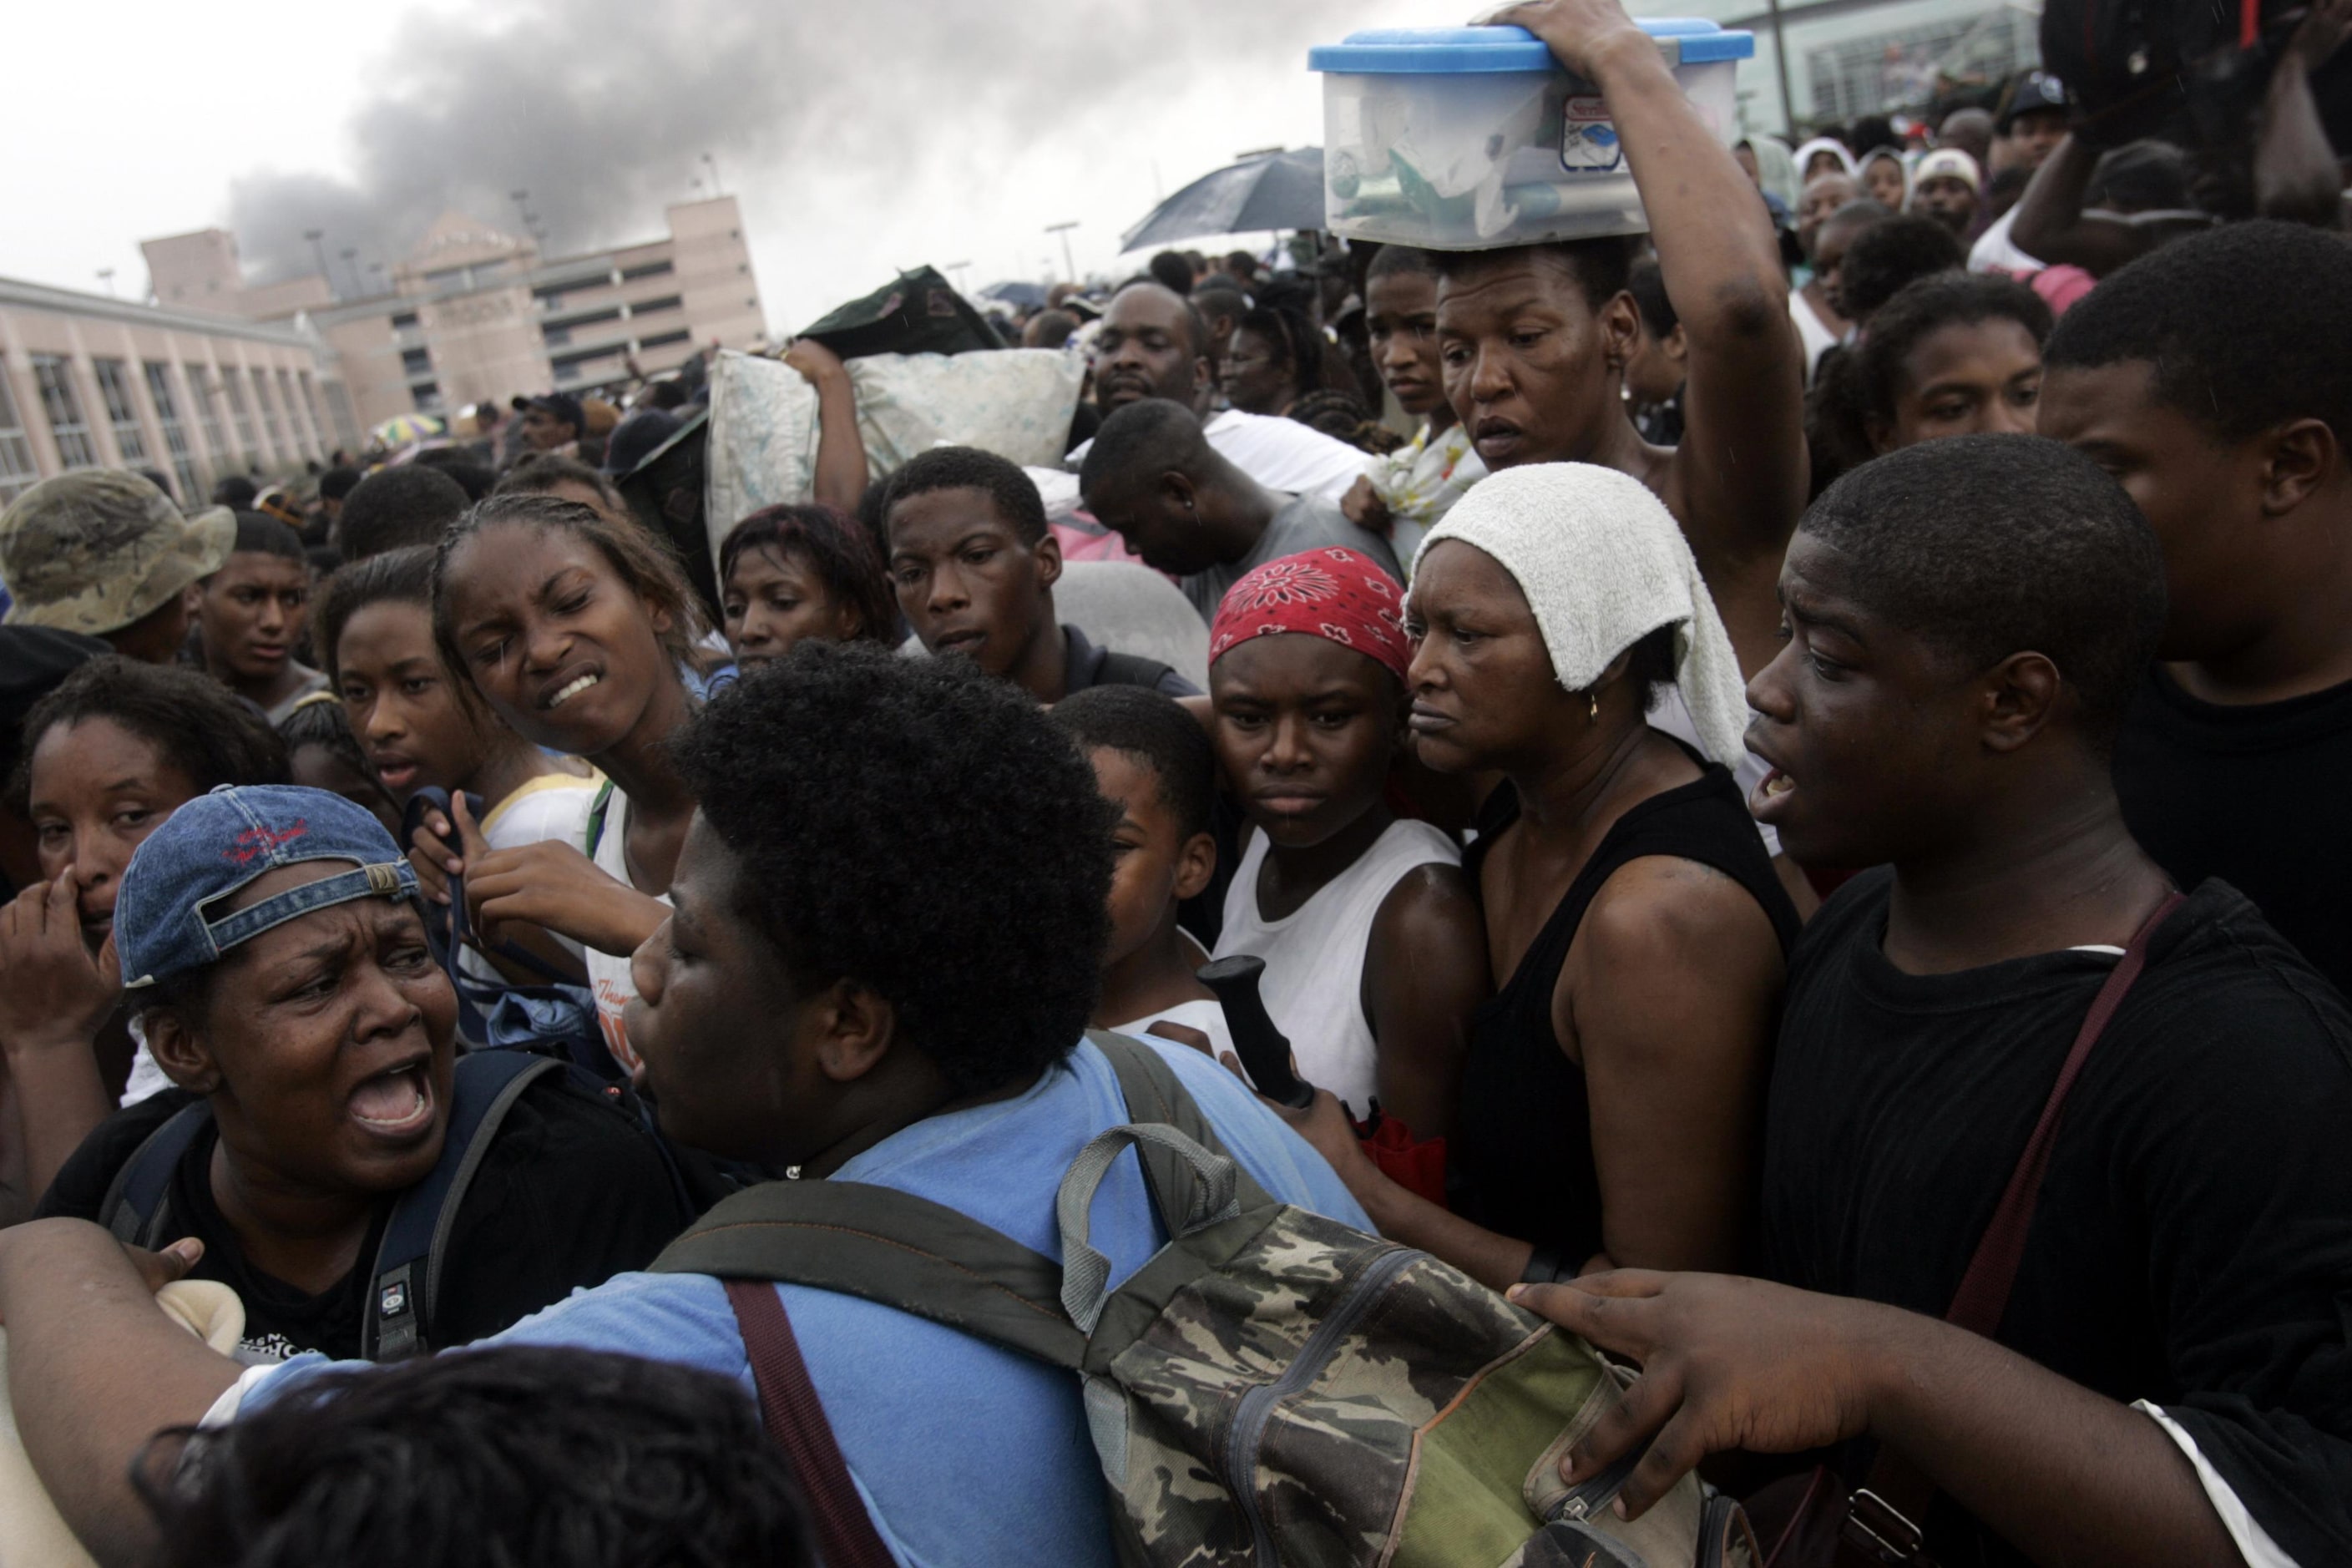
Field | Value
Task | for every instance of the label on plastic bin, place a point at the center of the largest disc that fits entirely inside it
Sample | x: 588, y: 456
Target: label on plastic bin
x: 1587, y: 137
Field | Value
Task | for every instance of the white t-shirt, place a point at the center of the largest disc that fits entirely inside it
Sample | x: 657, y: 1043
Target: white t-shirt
x: 550, y: 806
x: 608, y: 975
x: 146, y: 1078
x: 1314, y: 981
x: 1283, y: 455
x: 1205, y: 1013
x: 1812, y: 333
x: 1994, y: 251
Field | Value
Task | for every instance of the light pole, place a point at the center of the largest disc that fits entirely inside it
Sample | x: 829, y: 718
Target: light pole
x: 959, y: 269
x: 106, y: 276
x: 317, y: 237
x: 712, y: 163
x: 351, y: 265
x: 1063, y: 229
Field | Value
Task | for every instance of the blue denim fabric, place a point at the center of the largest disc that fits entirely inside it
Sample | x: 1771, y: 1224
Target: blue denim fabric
x: 216, y: 844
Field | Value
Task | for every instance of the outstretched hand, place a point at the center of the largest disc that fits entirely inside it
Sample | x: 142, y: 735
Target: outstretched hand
x: 1727, y: 1363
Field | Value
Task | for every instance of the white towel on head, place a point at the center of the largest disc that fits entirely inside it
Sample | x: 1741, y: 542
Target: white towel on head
x: 1603, y: 564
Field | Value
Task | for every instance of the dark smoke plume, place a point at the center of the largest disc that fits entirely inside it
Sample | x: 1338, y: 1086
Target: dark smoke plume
x: 601, y: 110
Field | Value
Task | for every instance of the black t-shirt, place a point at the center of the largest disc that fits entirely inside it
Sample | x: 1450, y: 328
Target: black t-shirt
x: 2254, y: 795
x: 2193, y: 1242
x: 570, y: 1193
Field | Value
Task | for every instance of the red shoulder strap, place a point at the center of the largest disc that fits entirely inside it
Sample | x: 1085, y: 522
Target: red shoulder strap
x: 1890, y: 1511
x: 795, y: 1419
x: 1984, y: 1289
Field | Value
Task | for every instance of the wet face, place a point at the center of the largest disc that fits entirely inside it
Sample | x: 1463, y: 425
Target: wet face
x: 773, y: 599
x: 1257, y: 376
x: 1154, y: 863
x: 966, y: 581
x: 1971, y: 378
x: 1881, y: 181
x: 1871, y: 736
x: 1305, y: 730
x: 327, y: 1043
x: 1530, y: 367
x: 97, y: 791
x: 1949, y: 199
x: 1483, y: 693
x: 1144, y: 348
x: 1821, y: 198
x: 559, y: 646
x: 252, y: 614
x: 401, y: 702
x: 1401, y: 315
x: 543, y: 432
x: 723, y: 1030
x: 2202, y: 494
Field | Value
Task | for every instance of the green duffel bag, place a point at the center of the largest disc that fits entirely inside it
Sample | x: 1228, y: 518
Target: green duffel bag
x: 1271, y: 1387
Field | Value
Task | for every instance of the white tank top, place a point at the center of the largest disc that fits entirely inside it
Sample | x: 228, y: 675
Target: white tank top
x: 1315, y: 958
x: 608, y: 974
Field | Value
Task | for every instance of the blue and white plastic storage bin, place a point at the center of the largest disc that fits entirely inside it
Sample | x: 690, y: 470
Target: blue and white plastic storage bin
x: 1473, y: 138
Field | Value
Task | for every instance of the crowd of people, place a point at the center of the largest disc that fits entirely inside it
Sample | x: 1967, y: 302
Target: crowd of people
x: 1760, y: 765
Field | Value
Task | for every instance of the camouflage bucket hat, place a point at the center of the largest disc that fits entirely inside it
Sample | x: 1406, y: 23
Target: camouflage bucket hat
x: 96, y: 550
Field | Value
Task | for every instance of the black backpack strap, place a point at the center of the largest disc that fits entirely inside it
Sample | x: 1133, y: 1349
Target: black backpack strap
x: 891, y: 1247
x: 403, y: 1295
x: 1132, y: 669
x: 138, y: 1203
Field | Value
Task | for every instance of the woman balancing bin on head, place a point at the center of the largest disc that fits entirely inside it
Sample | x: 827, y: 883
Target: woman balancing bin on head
x: 1369, y: 936
x: 1611, y: 1104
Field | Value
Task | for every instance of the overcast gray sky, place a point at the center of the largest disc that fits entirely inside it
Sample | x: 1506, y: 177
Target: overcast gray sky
x: 860, y: 135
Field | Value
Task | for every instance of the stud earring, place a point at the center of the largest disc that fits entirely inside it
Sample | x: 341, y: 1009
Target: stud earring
x: 1595, y: 698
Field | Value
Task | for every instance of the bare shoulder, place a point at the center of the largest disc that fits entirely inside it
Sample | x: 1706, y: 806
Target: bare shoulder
x: 1429, y: 904
x: 1664, y: 911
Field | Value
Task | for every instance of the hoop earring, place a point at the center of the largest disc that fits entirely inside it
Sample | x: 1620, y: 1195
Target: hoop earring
x: 1595, y: 698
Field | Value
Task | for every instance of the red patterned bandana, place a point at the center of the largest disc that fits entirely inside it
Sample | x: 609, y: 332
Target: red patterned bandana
x: 1333, y: 594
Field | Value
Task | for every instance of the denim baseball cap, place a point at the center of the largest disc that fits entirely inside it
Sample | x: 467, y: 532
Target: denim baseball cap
x: 217, y: 843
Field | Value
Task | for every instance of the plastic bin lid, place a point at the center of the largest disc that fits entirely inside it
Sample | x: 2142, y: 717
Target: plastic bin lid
x: 1451, y: 51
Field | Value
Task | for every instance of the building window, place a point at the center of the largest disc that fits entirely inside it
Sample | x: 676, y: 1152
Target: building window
x: 17, y: 472
x: 427, y: 396
x: 570, y: 367
x: 416, y: 361
x: 318, y: 421
x: 549, y: 297
x: 649, y: 269
x: 122, y: 410
x: 297, y: 417
x: 200, y: 393
x: 404, y: 322
x: 654, y: 306
x: 242, y: 417
x: 175, y: 435
x: 347, y: 424
x: 268, y: 407
x: 55, y: 378
x: 664, y: 339
x: 586, y: 319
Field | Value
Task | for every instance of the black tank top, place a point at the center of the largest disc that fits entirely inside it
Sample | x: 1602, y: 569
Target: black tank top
x: 1524, y: 1154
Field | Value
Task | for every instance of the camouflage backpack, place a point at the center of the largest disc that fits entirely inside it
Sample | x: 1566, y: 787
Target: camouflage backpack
x: 1271, y: 1386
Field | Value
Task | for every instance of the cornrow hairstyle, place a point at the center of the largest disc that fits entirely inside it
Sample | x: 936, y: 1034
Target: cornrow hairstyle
x: 196, y: 724
x: 641, y: 560
x: 837, y: 549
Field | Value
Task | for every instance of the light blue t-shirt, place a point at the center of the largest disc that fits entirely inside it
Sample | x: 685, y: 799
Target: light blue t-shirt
x: 964, y: 1453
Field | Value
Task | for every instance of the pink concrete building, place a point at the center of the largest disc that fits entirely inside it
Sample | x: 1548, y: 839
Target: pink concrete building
x: 476, y: 314
x: 90, y: 381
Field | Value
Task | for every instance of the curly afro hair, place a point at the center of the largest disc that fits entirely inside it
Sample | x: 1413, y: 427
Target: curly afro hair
x: 625, y: 1461
x: 934, y: 838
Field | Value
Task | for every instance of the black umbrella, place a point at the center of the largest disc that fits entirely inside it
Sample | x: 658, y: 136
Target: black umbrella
x: 1277, y: 190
